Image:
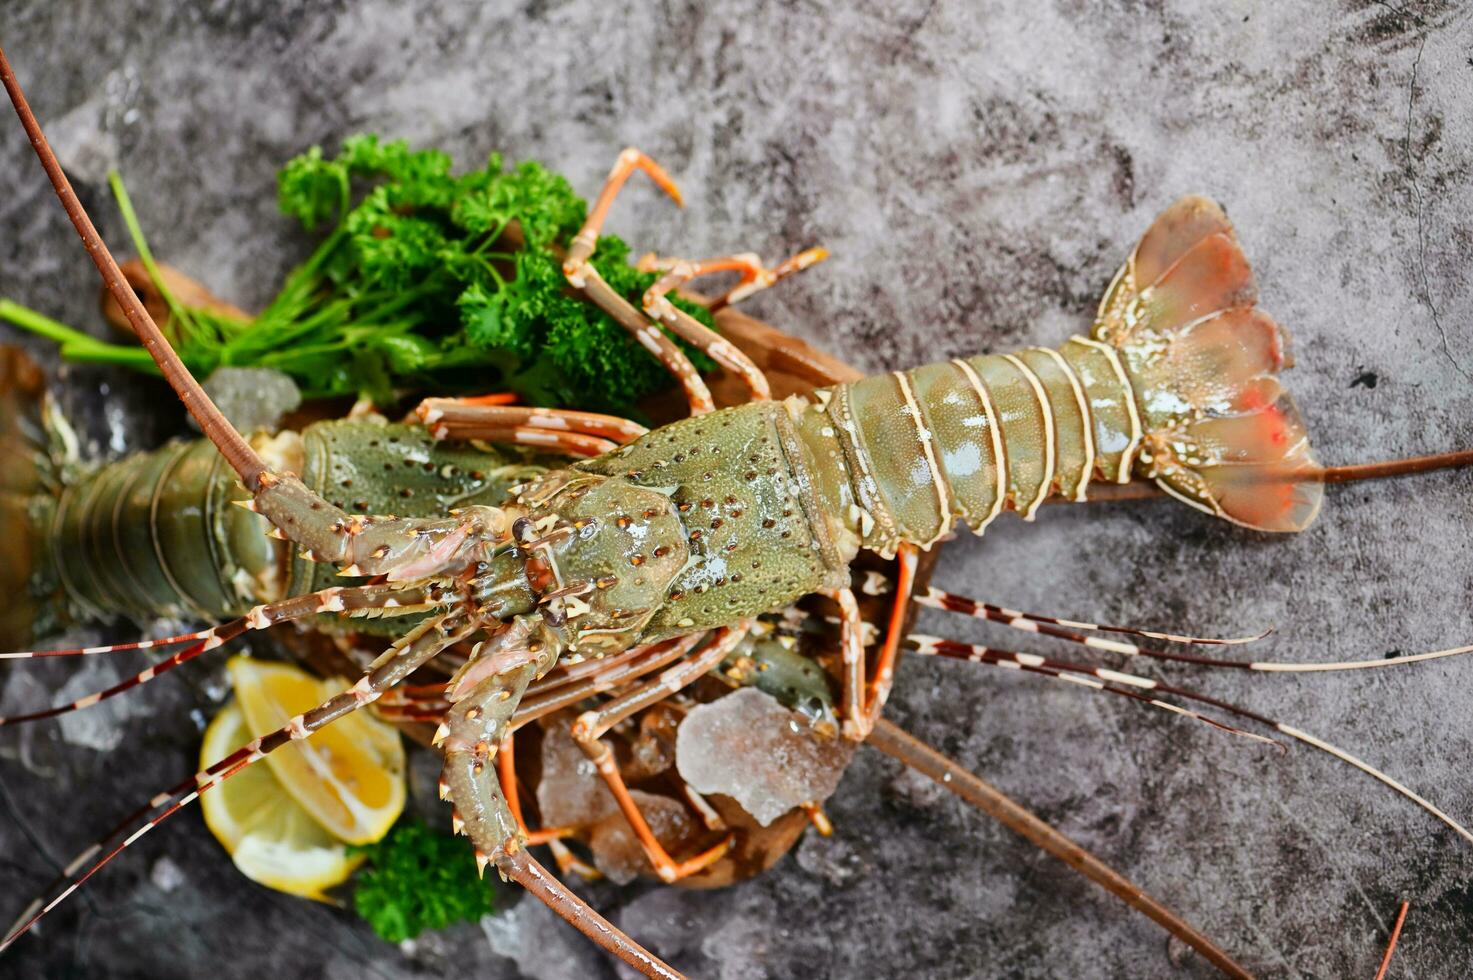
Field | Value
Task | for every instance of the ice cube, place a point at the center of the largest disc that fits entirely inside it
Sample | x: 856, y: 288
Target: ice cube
x: 767, y: 758
x: 616, y: 850
x: 570, y: 793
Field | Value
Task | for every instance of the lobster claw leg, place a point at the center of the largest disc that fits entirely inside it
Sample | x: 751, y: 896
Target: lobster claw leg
x: 474, y: 729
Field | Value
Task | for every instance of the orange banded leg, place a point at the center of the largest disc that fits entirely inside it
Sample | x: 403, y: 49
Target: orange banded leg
x: 561, y: 430
x: 567, y: 861
x: 863, y: 701
x: 582, y: 276
x: 755, y: 276
x: 658, y: 307
x: 907, y: 555
x: 678, y: 272
x: 588, y: 731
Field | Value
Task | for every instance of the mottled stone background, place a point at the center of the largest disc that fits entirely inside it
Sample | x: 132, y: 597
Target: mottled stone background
x: 978, y: 170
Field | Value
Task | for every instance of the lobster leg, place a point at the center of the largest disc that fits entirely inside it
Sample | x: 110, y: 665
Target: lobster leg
x: 561, y: 430
x: 863, y: 706
x: 907, y: 555
x: 658, y: 307
x: 477, y: 724
x: 506, y: 771
x: 618, y: 673
x: 755, y: 276
x: 583, y: 277
x: 857, y: 723
x: 588, y: 731
x: 567, y: 861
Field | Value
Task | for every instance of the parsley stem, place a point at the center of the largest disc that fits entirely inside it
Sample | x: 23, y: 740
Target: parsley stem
x: 180, y: 321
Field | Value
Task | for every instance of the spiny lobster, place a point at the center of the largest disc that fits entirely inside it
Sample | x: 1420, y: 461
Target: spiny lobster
x: 669, y: 542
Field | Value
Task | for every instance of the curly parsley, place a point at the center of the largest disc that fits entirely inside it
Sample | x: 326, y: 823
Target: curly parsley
x: 416, y: 879
x: 425, y: 280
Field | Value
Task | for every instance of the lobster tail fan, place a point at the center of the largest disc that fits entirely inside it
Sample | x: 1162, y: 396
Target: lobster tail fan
x: 1218, y: 429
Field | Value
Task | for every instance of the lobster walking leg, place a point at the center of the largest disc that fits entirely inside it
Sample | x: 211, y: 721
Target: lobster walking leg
x: 619, y: 673
x: 659, y: 308
x: 864, y: 699
x: 506, y: 771
x: 907, y: 555
x: 590, y: 727
x: 755, y: 276
x: 583, y: 277
x: 561, y: 430
x: 857, y: 724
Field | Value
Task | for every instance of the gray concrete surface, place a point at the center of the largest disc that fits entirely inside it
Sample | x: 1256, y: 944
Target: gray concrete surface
x: 978, y: 170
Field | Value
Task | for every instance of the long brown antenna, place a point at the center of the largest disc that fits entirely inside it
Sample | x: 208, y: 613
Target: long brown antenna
x: 1397, y: 467
x: 1352, y: 473
x: 241, y: 457
x: 899, y: 744
x: 520, y: 867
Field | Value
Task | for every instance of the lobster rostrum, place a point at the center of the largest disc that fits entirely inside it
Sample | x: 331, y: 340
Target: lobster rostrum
x: 666, y: 544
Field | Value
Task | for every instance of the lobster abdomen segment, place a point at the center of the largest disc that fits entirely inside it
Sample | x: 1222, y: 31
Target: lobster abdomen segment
x: 1177, y: 383
x: 967, y: 439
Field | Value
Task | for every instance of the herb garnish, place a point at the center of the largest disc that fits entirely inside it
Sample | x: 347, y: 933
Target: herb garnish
x: 430, y: 281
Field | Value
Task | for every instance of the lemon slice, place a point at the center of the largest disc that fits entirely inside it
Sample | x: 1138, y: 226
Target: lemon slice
x: 349, y: 776
x: 267, y: 833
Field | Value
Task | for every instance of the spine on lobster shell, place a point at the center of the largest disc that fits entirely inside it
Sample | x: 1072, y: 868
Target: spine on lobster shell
x: 1177, y: 383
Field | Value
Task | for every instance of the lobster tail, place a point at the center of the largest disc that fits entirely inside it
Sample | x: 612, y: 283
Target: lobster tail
x: 1218, y: 430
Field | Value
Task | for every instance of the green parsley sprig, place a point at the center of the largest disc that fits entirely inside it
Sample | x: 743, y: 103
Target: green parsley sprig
x: 425, y: 280
x: 416, y: 879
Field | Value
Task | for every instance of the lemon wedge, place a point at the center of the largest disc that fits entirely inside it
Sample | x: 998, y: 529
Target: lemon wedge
x: 271, y: 838
x: 349, y: 776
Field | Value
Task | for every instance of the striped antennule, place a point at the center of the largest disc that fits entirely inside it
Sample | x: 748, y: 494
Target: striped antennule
x: 1099, y: 678
x: 423, y: 643
x: 1044, y: 626
x: 261, y: 617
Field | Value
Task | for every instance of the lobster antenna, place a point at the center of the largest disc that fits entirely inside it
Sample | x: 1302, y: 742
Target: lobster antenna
x: 165, y: 804
x: 1033, y: 623
x: 1351, y: 473
x: 1071, y: 674
x: 951, y: 602
x: 237, y: 452
x: 164, y: 641
x: 335, y: 599
x: 522, y: 868
x: 912, y: 752
x: 933, y: 646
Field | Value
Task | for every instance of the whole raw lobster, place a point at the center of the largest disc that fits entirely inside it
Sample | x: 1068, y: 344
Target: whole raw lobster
x: 669, y: 542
